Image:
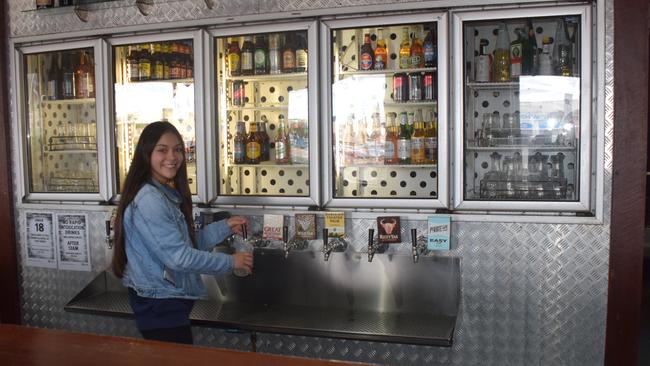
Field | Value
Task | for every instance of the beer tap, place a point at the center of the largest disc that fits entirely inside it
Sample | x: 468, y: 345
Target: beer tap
x: 371, y: 248
x: 110, y: 235
x: 334, y: 245
x: 374, y: 247
x: 418, y: 245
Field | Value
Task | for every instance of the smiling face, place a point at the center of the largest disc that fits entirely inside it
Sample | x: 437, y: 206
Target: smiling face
x: 166, y: 158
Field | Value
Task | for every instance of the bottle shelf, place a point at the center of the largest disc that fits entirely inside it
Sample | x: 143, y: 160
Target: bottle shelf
x: 410, y: 103
x: 259, y: 108
x: 387, y: 72
x: 69, y: 101
x: 508, y: 85
x: 270, y: 77
x: 521, y: 147
x: 269, y: 164
x: 399, y: 166
x: 180, y: 81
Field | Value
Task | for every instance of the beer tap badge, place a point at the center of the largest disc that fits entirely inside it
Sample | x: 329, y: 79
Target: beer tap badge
x: 273, y: 227
x: 305, y: 226
x: 335, y: 224
x: 389, y: 229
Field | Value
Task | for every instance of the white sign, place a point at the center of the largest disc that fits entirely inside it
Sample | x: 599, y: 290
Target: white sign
x: 39, y: 244
x: 73, y: 242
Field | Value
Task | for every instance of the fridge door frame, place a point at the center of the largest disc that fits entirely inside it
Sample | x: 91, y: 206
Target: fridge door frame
x: 212, y: 110
x: 197, y: 36
x: 440, y: 202
x: 20, y: 51
x: 587, y: 123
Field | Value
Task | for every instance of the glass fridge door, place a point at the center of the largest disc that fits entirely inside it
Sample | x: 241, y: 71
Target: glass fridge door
x: 387, y: 94
x: 154, y: 80
x: 265, y: 92
x: 58, y: 110
x: 525, y: 109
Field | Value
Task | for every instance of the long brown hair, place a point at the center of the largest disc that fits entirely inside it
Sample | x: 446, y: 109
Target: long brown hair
x: 138, y: 175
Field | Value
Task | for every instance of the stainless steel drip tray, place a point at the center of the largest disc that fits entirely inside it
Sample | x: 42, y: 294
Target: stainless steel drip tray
x: 390, y: 299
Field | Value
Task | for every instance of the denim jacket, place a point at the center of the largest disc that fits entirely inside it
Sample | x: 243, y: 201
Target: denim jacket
x: 161, y: 262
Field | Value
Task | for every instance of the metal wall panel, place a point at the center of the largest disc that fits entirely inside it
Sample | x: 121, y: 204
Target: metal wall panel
x: 531, y: 294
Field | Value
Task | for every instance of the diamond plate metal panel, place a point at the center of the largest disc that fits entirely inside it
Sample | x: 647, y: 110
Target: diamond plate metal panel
x: 532, y: 294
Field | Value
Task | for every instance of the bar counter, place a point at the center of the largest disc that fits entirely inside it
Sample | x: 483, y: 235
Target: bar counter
x: 27, y: 346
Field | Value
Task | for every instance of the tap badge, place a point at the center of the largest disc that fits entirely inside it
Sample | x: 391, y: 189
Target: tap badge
x: 389, y: 229
x: 305, y: 226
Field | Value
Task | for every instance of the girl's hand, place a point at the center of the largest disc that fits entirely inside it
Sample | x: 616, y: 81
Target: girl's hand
x: 235, y: 223
x: 243, y: 260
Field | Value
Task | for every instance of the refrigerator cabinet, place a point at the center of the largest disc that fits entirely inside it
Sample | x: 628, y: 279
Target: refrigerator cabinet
x: 158, y: 77
x: 365, y: 100
x: 60, y: 99
x: 522, y: 109
x: 279, y: 168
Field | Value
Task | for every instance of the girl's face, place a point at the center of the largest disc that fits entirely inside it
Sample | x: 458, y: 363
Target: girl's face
x: 166, y: 158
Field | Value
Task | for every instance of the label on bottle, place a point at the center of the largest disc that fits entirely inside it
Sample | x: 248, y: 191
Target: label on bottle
x: 144, y: 70
x: 515, y: 60
x: 301, y: 59
x: 246, y: 61
x: 260, y: 59
x: 389, y: 150
x: 233, y: 62
x: 274, y: 61
x: 240, y: 152
x: 430, y: 55
x: 289, y: 60
x: 415, y: 59
x: 404, y: 62
x: 253, y: 150
x: 365, y: 62
x: 380, y: 63
x: 51, y: 89
x: 483, y: 69
x: 280, y: 151
x: 403, y: 149
x: 417, y: 150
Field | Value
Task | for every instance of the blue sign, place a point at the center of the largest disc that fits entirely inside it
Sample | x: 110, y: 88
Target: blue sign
x: 439, y: 228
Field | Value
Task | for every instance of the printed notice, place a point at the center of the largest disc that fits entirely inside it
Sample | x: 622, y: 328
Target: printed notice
x: 39, y: 244
x: 305, y: 226
x: 73, y: 242
x: 335, y: 224
x: 273, y: 227
x: 438, y: 233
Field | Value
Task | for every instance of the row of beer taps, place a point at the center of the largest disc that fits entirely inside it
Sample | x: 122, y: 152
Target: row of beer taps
x: 339, y: 244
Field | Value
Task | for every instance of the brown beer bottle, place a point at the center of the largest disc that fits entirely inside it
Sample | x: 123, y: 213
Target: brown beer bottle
x: 288, y: 55
x: 234, y: 55
x: 253, y: 145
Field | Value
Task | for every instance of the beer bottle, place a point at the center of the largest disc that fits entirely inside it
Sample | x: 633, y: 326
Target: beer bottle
x: 234, y: 55
x: 392, y: 138
x: 483, y: 64
x: 84, y: 78
x: 239, y: 143
x: 366, y: 54
x: 166, y: 56
x: 53, y: 81
x: 275, y: 58
x: 247, y: 56
x: 288, y: 55
x: 529, y: 51
x: 68, y: 79
x: 144, y: 63
x: 431, y: 140
x: 281, y: 143
x: 502, y: 55
x: 266, y: 141
x: 561, y: 51
x: 158, y: 69
x: 133, y: 64
x: 253, y: 145
x: 430, y: 49
x: 516, y: 54
x: 417, y: 141
x: 405, y: 50
x: 301, y: 54
x: 404, y: 141
x: 376, y: 141
x: 260, y: 56
x: 417, y: 53
x: 545, y: 61
x: 381, y: 52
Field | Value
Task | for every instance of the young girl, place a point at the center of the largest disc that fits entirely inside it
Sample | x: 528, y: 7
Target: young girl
x: 157, y: 253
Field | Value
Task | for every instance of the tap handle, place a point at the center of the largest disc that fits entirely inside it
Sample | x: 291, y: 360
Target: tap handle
x: 108, y: 228
x: 371, y: 236
x: 414, y: 237
x: 285, y: 233
x: 244, y: 234
x: 325, y: 234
